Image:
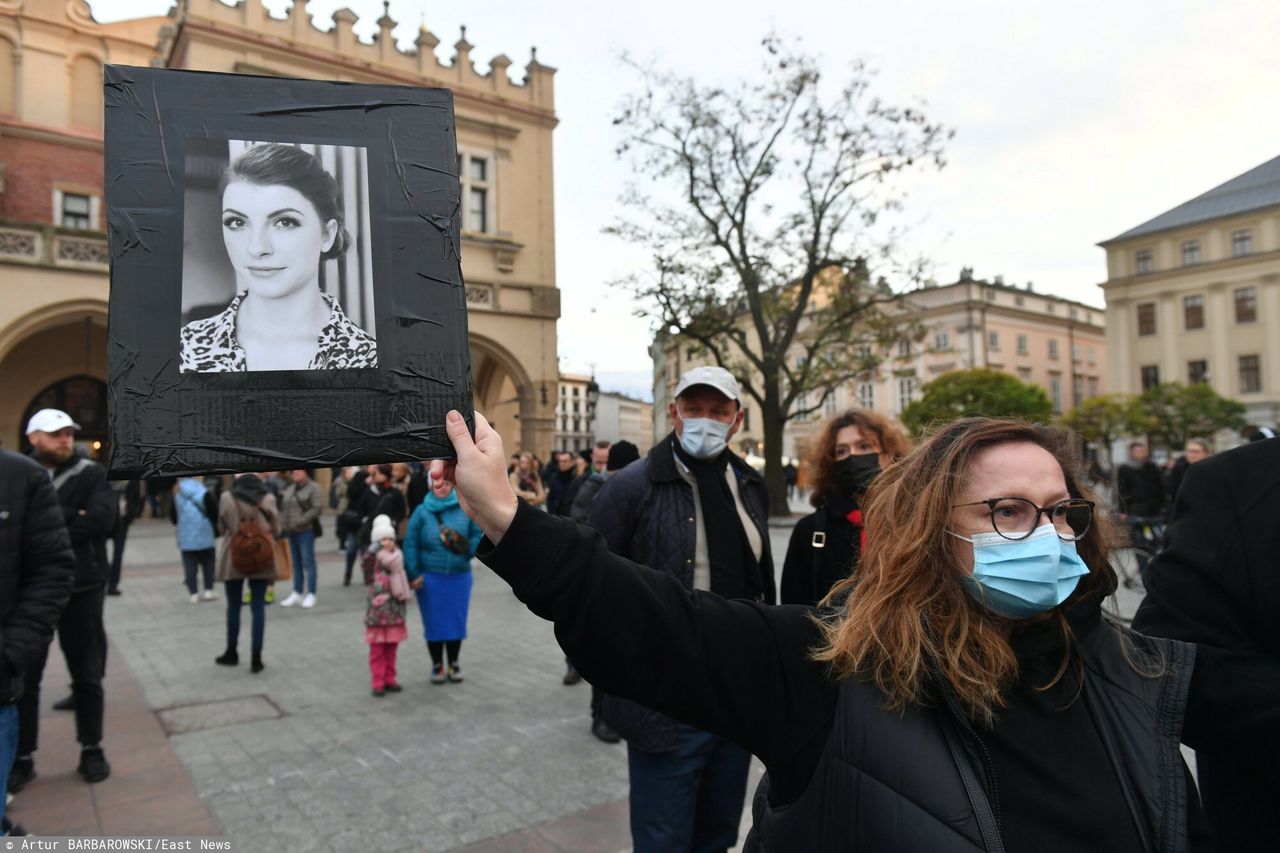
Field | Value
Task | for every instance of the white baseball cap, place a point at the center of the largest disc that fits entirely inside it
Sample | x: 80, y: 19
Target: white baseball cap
x: 50, y: 420
x: 714, y: 377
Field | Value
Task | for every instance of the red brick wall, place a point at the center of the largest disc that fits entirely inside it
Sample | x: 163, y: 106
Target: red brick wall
x: 34, y: 168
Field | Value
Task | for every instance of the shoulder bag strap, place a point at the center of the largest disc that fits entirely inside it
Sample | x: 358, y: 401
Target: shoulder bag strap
x: 62, y: 478
x: 977, y: 797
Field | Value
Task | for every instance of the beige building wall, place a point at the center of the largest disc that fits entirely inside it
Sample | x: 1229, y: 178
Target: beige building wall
x: 51, y: 57
x: 623, y: 418
x: 1169, y: 350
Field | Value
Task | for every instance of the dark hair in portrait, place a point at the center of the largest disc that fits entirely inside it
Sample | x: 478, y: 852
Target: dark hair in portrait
x: 282, y: 291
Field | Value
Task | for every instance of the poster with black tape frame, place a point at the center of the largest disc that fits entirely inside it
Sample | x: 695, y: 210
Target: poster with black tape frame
x: 286, y: 282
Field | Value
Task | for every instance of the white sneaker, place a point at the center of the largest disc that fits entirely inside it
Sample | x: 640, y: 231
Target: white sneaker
x: 210, y: 595
x: 195, y: 599
x: 293, y: 599
x: 309, y: 602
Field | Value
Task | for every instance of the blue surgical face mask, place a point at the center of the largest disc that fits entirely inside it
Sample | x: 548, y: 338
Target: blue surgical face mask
x: 704, y: 438
x: 1025, y: 577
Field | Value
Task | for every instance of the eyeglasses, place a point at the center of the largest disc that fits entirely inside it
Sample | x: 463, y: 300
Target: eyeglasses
x: 1017, y: 518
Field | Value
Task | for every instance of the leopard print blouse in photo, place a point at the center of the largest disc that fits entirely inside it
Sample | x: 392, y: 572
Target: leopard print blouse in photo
x: 210, y: 345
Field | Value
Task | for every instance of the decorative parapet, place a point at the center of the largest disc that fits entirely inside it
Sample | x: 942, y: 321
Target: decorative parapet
x: 482, y: 297
x: 49, y: 246
x: 299, y: 31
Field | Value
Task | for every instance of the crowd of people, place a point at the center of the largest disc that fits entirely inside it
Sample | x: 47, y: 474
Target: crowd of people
x: 930, y: 669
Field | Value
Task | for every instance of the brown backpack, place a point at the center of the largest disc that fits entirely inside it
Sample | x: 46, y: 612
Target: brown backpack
x: 252, y: 552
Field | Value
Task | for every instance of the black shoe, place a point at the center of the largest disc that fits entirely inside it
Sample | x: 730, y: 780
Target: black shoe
x: 256, y: 665
x: 571, y: 678
x: 378, y: 691
x: 601, y: 730
x: 394, y: 688
x: 93, y: 765
x: 115, y: 590
x: 24, y: 770
x: 228, y: 658
x: 67, y: 704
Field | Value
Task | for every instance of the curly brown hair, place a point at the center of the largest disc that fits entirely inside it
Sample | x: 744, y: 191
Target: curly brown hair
x: 821, y: 461
x: 908, y: 613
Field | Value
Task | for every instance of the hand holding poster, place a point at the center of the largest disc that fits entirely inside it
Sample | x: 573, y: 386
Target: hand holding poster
x: 286, y: 288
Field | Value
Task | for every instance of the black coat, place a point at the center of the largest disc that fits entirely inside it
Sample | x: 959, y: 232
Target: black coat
x: 843, y: 773
x: 36, y: 567
x: 646, y: 514
x: 89, y: 512
x: 811, y: 570
x: 1140, y: 490
x: 1217, y: 583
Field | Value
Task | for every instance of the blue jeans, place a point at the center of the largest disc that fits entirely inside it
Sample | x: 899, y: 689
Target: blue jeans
x: 8, y: 748
x: 689, y: 799
x: 202, y: 561
x: 257, y: 607
x: 302, y: 547
x: 353, y: 548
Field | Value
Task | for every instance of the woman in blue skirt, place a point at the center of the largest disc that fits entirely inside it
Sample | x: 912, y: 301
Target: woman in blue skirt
x: 438, y: 548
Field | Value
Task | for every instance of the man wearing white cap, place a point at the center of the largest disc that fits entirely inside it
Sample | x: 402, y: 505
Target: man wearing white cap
x: 89, y: 509
x: 695, y: 510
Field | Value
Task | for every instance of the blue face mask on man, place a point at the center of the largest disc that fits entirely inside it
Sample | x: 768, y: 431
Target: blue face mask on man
x: 704, y: 438
x: 1023, y: 577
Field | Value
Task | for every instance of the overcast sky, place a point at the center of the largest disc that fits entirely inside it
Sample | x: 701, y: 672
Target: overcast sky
x: 1075, y: 121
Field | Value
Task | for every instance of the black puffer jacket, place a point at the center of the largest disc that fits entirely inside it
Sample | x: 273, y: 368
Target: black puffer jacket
x: 89, y: 511
x: 36, y: 567
x: 646, y: 514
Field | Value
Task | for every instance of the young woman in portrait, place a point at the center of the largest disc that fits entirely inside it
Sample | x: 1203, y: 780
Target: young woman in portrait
x: 281, y: 216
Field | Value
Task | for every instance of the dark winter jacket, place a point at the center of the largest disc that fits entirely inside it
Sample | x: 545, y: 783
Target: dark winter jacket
x: 1140, y: 490
x: 586, y: 496
x: 1217, y: 583
x: 844, y: 774
x: 89, y: 511
x: 36, y: 567
x: 815, y: 564
x: 646, y: 514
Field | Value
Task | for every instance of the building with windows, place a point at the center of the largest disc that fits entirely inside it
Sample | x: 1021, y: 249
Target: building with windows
x: 53, y: 247
x: 1056, y: 343
x: 1193, y: 295
x: 623, y: 418
x: 576, y: 412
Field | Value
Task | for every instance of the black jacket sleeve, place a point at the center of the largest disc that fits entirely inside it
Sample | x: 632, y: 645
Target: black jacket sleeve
x: 733, y: 668
x: 45, y: 566
x: 94, y: 515
x: 797, y: 569
x: 1215, y: 584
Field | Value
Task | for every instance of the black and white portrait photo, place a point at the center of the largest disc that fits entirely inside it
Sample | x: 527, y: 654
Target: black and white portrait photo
x: 287, y: 286
x: 286, y: 273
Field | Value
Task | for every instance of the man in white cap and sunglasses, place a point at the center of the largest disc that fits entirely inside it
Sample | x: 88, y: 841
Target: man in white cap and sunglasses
x: 89, y: 510
x: 693, y: 509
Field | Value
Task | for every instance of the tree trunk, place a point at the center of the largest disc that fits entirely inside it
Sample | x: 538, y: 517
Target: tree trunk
x: 772, y: 422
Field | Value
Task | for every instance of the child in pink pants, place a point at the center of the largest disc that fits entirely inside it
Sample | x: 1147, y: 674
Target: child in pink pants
x: 384, y: 614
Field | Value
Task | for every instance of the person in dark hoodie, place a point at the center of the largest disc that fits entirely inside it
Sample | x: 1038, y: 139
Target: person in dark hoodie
x: 825, y: 544
x: 249, y: 521
x: 89, y: 511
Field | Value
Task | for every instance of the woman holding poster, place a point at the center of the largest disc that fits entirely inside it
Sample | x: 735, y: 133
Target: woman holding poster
x: 281, y: 216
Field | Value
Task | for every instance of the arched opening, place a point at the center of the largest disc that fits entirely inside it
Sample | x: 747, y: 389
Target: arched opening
x: 8, y: 77
x: 502, y: 391
x: 86, y: 93
x: 82, y: 397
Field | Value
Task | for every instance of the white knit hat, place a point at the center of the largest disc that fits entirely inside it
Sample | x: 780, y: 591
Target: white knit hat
x: 382, y: 529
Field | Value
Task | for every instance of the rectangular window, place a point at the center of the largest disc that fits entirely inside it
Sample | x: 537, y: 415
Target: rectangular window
x: 1093, y: 386
x: 906, y: 391
x: 866, y: 395
x: 1024, y: 373
x: 1077, y: 389
x: 1075, y: 352
x: 1250, y: 374
x: 1023, y: 348
x: 1150, y: 377
x: 473, y: 172
x: 1093, y: 355
x: 1146, y: 318
x: 1193, y: 312
x: 1246, y: 305
x: 1241, y: 242
x: 1143, y: 262
x: 904, y: 348
x: 1053, y: 348
x: 1055, y: 392
x: 75, y: 211
x: 993, y: 340
x: 1197, y: 371
x: 1190, y: 253
x: 941, y: 341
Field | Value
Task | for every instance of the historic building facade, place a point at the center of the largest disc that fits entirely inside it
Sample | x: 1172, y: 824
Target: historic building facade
x: 1193, y: 295
x: 53, y: 250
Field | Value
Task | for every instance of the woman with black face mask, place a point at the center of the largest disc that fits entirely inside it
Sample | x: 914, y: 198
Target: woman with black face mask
x: 825, y: 544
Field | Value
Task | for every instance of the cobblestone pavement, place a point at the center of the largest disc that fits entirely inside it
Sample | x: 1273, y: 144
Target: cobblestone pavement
x: 301, y: 757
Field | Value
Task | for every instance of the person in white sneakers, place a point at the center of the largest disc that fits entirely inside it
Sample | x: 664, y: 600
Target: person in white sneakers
x: 301, y: 503
x: 196, y: 537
